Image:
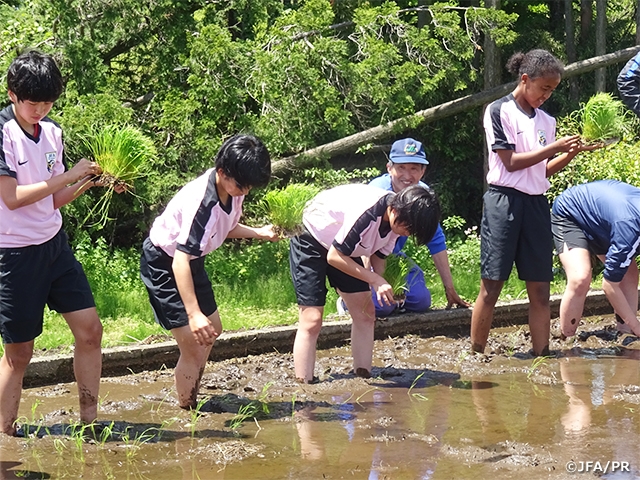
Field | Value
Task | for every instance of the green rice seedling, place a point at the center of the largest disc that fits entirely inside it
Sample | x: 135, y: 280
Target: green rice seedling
x: 603, y: 119
x: 252, y: 409
x: 363, y: 394
x: 124, y: 154
x: 294, y: 397
x: 413, y: 384
x: 133, y: 443
x: 284, y: 207
x: 59, y: 446
x: 195, y: 415
x: 395, y: 273
x: 33, y: 425
x: 536, y: 365
x: 101, y: 433
x: 77, y: 435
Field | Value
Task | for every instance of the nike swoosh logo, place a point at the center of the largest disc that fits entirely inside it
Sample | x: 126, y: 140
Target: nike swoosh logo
x: 22, y: 163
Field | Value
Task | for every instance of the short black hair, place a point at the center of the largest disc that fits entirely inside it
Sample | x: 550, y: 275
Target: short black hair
x: 418, y: 209
x: 35, y: 76
x: 245, y: 159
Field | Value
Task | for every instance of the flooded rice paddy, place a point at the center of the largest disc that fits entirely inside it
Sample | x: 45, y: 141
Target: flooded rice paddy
x: 431, y: 411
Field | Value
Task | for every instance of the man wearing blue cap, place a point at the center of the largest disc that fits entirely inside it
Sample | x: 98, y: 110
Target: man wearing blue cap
x: 406, y: 166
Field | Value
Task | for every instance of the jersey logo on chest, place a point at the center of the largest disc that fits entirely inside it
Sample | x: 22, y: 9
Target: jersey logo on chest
x: 542, y: 137
x: 51, y: 160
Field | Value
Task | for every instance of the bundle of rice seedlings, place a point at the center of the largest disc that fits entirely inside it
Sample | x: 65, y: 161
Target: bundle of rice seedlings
x: 125, y: 154
x: 603, y: 119
x: 395, y: 273
x: 284, y: 207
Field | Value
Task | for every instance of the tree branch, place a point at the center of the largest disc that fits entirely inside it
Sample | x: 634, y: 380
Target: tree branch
x: 352, y: 142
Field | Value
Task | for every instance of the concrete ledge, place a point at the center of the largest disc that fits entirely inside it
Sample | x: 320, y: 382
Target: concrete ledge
x: 47, y: 370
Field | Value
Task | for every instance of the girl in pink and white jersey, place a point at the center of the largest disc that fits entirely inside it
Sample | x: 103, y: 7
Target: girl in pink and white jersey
x: 202, y: 215
x: 516, y: 225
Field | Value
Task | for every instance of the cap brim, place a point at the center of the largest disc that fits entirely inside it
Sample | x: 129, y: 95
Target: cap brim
x: 410, y: 159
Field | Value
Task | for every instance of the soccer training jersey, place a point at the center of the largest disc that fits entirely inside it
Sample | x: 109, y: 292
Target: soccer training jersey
x: 608, y: 212
x: 350, y: 217
x: 29, y: 159
x: 508, y: 127
x: 436, y: 245
x: 195, y: 221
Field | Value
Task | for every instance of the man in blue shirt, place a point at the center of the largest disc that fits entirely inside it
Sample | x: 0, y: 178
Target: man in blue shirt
x: 602, y: 218
x: 407, y: 165
x: 629, y: 84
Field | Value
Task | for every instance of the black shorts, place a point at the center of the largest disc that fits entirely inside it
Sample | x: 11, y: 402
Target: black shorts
x: 309, y: 271
x: 157, y: 275
x: 38, y: 275
x: 516, y: 227
x: 566, y: 231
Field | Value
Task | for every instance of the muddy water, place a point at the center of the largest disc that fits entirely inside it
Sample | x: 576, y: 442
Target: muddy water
x: 432, y: 411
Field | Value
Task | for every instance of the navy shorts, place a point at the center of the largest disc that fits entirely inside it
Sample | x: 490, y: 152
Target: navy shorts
x: 157, y: 275
x: 566, y: 231
x: 516, y: 227
x: 309, y: 271
x: 38, y: 275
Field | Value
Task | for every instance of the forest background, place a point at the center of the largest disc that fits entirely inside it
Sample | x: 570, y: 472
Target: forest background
x: 299, y: 74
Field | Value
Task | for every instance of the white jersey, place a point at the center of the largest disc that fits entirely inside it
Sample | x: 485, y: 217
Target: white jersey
x: 508, y: 127
x: 195, y: 221
x: 29, y: 159
x: 350, y: 217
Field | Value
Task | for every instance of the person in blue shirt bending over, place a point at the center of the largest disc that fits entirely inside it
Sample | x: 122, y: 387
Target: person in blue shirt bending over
x: 407, y: 165
x: 602, y: 218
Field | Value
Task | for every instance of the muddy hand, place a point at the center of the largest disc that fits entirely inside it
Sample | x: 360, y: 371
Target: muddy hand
x: 118, y: 186
x: 589, y: 147
x: 85, y: 168
x: 268, y: 233
x: 453, y: 299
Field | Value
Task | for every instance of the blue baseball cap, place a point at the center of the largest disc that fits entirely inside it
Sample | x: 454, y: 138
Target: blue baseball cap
x: 408, y: 150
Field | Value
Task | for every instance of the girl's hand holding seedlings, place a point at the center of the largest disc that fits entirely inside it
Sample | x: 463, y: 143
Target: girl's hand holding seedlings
x: 587, y: 147
x: 267, y: 233
x: 84, y: 168
x: 118, y: 187
x: 384, y: 292
x: 202, y: 329
x: 568, y: 143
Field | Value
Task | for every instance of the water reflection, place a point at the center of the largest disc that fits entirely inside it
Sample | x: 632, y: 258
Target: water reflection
x: 14, y: 471
x: 579, y: 407
x: 507, y: 419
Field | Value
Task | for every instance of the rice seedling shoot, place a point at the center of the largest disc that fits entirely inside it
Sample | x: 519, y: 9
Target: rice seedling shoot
x: 395, y: 273
x: 603, y: 118
x: 125, y: 154
x: 285, y: 207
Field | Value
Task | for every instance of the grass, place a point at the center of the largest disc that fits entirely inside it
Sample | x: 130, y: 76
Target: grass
x: 284, y: 207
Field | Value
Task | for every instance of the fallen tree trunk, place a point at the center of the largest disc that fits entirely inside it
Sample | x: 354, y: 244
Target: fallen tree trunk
x: 352, y: 142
